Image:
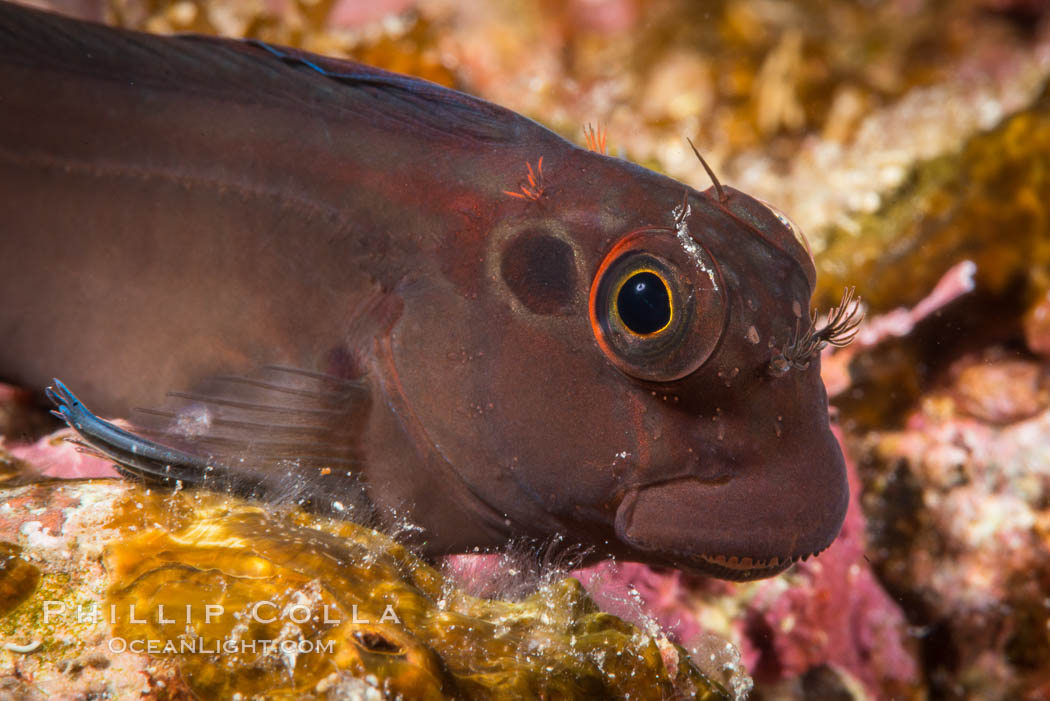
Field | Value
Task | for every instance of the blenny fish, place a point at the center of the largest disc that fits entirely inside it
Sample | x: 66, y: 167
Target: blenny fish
x: 386, y: 299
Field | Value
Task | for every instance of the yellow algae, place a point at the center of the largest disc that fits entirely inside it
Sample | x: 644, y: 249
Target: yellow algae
x: 987, y: 203
x: 252, y: 600
x: 18, y: 578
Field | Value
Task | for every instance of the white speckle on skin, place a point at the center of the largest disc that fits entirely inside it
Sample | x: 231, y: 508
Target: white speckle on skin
x: 681, y: 213
x: 192, y: 421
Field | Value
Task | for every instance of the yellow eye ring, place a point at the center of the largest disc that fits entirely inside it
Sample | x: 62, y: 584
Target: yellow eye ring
x: 650, y: 312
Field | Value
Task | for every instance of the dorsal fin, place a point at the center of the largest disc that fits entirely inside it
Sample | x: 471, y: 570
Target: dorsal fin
x: 250, y: 73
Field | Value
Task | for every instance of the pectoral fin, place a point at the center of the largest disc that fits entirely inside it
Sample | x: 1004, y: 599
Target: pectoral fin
x: 281, y: 434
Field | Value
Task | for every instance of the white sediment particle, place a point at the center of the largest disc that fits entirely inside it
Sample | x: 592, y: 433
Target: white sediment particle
x: 681, y: 227
x: 39, y: 537
x: 720, y: 660
x: 342, y: 685
x: 22, y: 649
x: 289, y: 654
x: 95, y: 503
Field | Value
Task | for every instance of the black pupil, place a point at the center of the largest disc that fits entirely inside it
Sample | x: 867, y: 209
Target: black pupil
x: 644, y: 303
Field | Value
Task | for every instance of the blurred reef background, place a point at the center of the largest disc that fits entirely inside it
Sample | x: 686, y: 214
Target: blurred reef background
x: 910, y: 141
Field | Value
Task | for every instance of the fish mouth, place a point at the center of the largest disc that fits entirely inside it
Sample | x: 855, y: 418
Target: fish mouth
x: 738, y: 569
x: 738, y: 530
x: 732, y: 568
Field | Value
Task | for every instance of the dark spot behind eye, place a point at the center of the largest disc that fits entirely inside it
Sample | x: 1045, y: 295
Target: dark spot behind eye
x: 540, y: 270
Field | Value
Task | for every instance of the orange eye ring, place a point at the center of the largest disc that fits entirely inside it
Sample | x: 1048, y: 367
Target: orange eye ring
x: 674, y: 342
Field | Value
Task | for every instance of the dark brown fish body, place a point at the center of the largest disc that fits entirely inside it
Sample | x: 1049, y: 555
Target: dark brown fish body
x: 184, y: 208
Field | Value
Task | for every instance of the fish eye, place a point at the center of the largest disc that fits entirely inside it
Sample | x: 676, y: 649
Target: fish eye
x: 644, y: 303
x: 657, y: 306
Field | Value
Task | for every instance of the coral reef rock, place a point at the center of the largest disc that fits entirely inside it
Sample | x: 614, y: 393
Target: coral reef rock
x: 110, y: 589
x: 960, y: 519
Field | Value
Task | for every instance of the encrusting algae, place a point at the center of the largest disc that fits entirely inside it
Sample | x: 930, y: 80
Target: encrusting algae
x: 988, y: 203
x: 18, y: 578
x: 253, y: 601
x: 985, y: 205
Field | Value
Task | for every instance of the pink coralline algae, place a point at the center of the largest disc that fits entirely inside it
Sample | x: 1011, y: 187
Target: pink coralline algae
x: 955, y: 283
x: 25, y: 458
x: 834, y: 612
x: 959, y: 503
x: 55, y: 456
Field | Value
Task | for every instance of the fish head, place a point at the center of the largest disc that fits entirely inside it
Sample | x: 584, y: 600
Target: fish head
x: 603, y: 372
x: 741, y: 474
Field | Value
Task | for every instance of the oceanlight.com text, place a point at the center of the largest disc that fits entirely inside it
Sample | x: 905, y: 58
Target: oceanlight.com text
x: 200, y: 646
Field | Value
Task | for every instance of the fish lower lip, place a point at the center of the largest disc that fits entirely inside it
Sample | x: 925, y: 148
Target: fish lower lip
x: 746, y: 563
x: 729, y: 529
x: 738, y: 569
x: 730, y: 568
